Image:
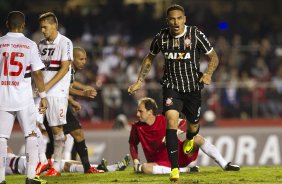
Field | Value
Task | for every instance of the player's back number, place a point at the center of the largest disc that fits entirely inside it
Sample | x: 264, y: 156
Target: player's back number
x: 11, y: 59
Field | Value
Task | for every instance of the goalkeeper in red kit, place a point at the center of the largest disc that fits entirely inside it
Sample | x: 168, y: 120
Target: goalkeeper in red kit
x: 150, y: 131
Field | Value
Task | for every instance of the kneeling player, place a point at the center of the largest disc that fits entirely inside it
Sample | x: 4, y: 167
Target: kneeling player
x: 150, y: 130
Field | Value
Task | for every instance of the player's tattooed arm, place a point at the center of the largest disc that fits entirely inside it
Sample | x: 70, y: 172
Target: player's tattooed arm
x: 146, y: 67
x: 207, y: 76
x: 213, y: 63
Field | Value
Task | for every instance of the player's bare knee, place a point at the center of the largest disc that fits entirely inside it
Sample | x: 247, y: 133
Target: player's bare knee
x: 194, y: 127
x: 67, y: 167
x: 59, y: 137
x: 172, y: 123
x: 57, y: 130
x: 147, y: 168
x: 198, y: 141
x: 78, y: 135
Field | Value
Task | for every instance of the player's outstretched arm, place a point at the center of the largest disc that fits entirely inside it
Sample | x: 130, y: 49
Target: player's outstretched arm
x: 79, y: 89
x: 145, y: 68
x: 79, y: 85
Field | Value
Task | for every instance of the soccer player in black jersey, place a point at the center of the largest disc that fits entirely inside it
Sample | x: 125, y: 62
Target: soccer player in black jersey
x: 182, y: 81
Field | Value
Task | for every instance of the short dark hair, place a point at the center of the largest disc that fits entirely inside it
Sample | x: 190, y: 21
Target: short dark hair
x: 76, y: 49
x: 149, y: 103
x: 49, y: 16
x: 175, y: 7
x: 15, y: 19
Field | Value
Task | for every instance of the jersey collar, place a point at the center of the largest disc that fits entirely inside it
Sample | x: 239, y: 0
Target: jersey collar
x: 184, y: 32
x: 15, y: 34
x: 57, y: 39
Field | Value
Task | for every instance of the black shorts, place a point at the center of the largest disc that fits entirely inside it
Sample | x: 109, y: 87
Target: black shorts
x: 187, y: 103
x: 72, y: 121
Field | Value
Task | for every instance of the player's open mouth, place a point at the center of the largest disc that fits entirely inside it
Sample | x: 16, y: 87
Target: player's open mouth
x: 176, y: 28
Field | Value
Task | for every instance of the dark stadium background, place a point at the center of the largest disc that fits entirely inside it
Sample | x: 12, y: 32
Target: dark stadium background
x: 247, y: 35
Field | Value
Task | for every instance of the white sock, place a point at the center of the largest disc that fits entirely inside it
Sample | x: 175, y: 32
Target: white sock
x: 43, y: 158
x: 31, y: 151
x: 213, y: 152
x: 68, y: 147
x: 113, y: 167
x: 41, y: 147
x: 45, y: 140
x: 184, y: 169
x: 59, y: 141
x: 193, y: 164
x: 76, y: 168
x: 3, y: 155
x: 63, y: 165
x: 157, y: 169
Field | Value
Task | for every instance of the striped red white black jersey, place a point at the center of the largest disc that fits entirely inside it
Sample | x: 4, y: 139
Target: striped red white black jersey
x: 52, y: 55
x: 182, y: 54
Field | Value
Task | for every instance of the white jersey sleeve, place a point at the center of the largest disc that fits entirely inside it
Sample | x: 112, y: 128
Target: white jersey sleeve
x: 36, y: 63
x: 67, y: 50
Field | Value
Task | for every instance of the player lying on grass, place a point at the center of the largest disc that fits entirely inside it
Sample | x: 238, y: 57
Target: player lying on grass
x: 75, y: 166
x: 150, y: 132
x: 17, y: 165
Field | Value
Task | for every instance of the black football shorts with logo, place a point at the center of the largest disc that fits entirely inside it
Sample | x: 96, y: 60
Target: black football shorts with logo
x: 72, y: 121
x: 187, y: 103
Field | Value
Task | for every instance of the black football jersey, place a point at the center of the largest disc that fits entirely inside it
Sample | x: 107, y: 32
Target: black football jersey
x: 182, y: 54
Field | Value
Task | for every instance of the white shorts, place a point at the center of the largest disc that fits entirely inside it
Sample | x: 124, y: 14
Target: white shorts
x: 26, y: 118
x: 57, y: 110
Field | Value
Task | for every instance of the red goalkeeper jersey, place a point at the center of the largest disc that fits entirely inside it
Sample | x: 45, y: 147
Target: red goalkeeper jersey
x: 151, y: 139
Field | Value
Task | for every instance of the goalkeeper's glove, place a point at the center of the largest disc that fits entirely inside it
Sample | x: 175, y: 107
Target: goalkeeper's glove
x: 137, y: 166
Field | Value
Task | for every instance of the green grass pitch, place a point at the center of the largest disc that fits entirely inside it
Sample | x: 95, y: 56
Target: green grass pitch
x: 209, y: 175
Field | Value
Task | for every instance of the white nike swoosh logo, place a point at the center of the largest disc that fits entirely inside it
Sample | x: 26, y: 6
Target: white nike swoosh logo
x: 173, y: 151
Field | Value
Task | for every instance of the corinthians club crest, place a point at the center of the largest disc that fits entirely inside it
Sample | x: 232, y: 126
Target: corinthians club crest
x: 168, y: 102
x: 187, y: 42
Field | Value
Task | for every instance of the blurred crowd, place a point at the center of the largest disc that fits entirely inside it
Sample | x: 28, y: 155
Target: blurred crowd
x: 247, y: 84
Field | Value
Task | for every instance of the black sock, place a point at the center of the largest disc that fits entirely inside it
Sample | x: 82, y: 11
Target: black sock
x: 83, y: 154
x: 49, y: 149
x: 190, y: 135
x: 73, y: 153
x: 172, y: 147
x: 50, y: 145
